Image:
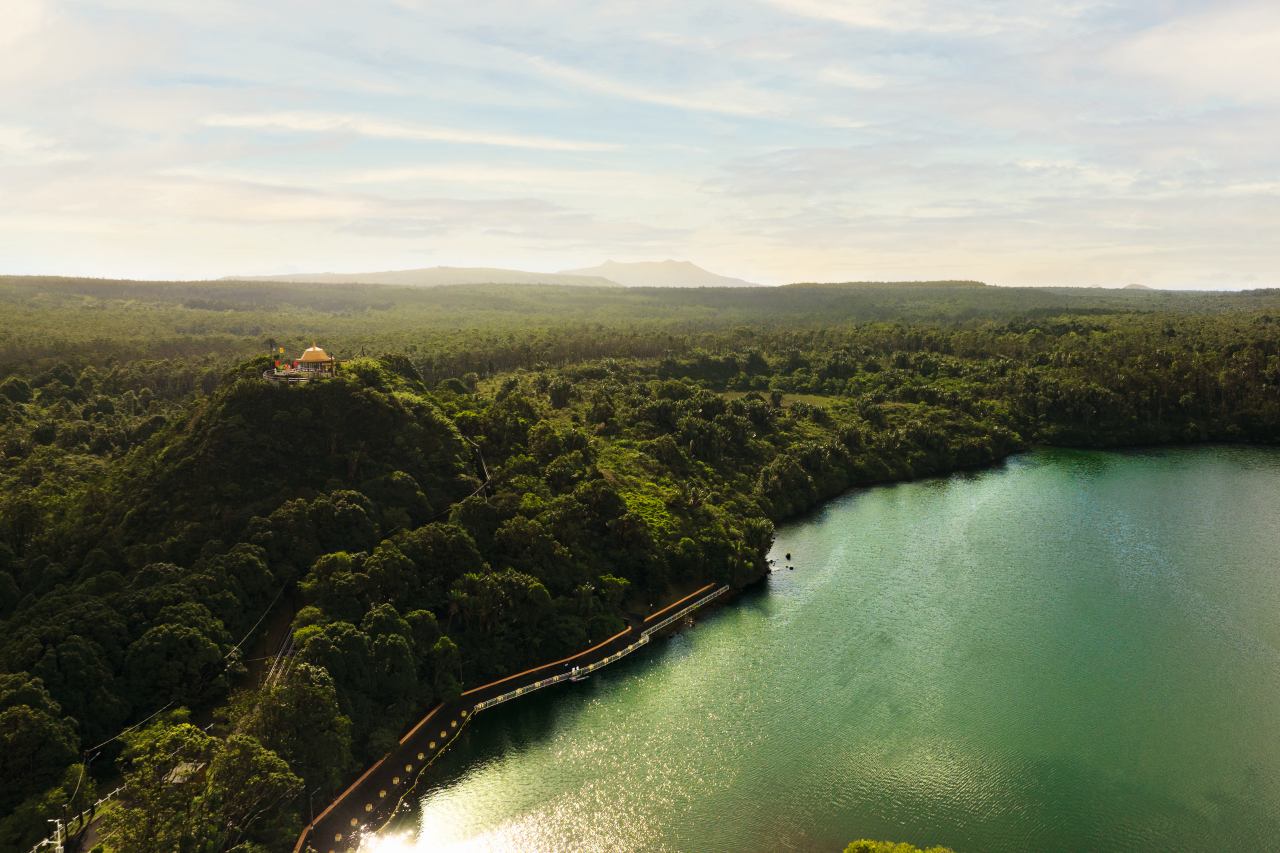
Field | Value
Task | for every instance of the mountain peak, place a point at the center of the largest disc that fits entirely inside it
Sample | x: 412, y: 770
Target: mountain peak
x: 665, y: 273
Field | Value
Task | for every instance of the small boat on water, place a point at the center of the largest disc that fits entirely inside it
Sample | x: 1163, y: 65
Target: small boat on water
x: 576, y: 674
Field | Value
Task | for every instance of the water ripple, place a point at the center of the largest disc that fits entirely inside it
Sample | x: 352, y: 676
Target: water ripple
x: 1077, y: 651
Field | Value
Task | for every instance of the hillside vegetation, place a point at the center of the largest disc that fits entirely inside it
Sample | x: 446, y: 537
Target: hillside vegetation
x: 503, y: 477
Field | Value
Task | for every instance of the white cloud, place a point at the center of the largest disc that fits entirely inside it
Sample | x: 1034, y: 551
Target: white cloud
x: 545, y: 182
x: 1231, y: 51
x: 731, y: 100
x: 1073, y: 173
x: 23, y: 19
x: 857, y: 13
x: 851, y: 78
x: 845, y: 122
x: 119, y: 218
x: 22, y: 145
x: 948, y: 17
x: 45, y: 47
x: 363, y: 125
x: 475, y: 178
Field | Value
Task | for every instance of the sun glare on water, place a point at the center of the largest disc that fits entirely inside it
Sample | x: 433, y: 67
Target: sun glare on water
x: 408, y: 843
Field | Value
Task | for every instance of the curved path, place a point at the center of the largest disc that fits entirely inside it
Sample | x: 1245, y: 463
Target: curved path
x: 369, y: 802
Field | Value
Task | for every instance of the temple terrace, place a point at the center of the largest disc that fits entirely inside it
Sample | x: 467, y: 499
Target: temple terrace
x: 314, y: 363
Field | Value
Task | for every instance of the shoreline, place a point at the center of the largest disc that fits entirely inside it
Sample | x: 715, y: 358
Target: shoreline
x: 368, y: 803
x: 996, y: 462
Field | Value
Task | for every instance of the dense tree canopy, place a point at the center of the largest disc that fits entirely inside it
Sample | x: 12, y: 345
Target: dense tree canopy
x: 519, y: 473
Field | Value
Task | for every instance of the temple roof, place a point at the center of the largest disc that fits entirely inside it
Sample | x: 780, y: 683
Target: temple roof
x: 314, y: 353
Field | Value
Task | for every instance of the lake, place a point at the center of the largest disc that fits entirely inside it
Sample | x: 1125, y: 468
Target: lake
x: 1074, y: 651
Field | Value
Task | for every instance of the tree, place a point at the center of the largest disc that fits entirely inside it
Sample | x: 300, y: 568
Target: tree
x: 164, y: 772
x: 248, y: 792
x: 80, y: 671
x: 189, y: 791
x: 36, y: 742
x: 447, y: 664
x: 300, y: 720
x: 17, y: 389
x: 391, y: 649
x: 613, y: 590
x: 343, y: 650
x: 559, y: 393
x: 171, y: 662
x: 441, y: 552
x: 338, y: 584
x: 425, y: 631
x: 528, y: 545
x: 392, y: 575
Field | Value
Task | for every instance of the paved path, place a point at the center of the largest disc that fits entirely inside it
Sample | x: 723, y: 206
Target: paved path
x: 369, y: 802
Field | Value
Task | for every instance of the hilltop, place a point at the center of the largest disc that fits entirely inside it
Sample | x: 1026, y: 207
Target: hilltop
x: 251, y: 446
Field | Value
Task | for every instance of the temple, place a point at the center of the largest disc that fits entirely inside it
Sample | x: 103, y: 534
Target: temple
x: 314, y: 363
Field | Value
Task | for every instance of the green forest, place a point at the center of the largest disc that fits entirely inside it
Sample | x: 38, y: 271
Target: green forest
x: 496, y: 477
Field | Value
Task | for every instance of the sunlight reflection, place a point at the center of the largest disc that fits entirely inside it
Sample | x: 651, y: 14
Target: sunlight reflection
x: 420, y: 843
x: 402, y: 843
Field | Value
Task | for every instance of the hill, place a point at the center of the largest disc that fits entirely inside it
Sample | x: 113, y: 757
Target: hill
x: 436, y: 276
x: 666, y: 273
x: 252, y: 446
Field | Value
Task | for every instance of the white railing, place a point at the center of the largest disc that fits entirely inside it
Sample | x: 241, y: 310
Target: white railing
x: 556, y: 679
x: 590, y: 668
x: 685, y: 611
x: 59, y: 837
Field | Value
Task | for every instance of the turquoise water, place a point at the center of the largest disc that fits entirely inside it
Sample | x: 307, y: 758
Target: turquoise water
x: 1075, y: 651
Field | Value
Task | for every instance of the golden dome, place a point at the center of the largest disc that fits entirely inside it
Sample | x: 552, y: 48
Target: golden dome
x: 314, y: 353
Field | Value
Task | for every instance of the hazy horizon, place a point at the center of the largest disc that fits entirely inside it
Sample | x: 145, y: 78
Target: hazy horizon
x: 328, y: 274
x: 1089, y: 143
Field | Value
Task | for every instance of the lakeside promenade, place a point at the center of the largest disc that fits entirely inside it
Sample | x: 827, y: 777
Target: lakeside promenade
x: 371, y: 800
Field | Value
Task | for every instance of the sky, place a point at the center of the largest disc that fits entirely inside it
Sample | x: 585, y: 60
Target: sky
x: 1011, y: 141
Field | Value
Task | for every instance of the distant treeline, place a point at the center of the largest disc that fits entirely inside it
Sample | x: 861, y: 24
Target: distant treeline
x: 457, y: 329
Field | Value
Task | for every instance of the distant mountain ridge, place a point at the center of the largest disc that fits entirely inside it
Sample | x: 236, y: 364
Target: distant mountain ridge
x: 668, y: 273
x: 436, y: 277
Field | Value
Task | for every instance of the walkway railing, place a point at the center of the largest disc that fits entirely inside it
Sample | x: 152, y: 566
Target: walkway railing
x: 685, y: 611
x: 341, y: 825
x: 61, y: 832
x: 590, y: 668
x: 564, y: 676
